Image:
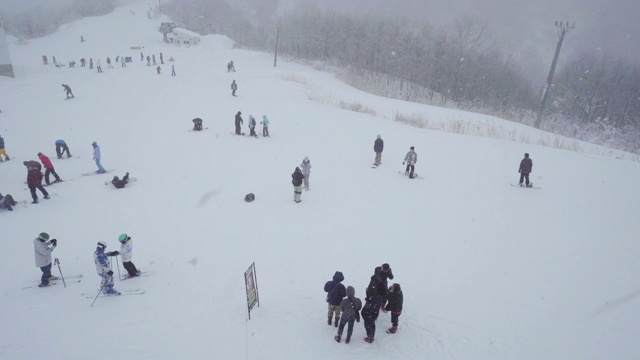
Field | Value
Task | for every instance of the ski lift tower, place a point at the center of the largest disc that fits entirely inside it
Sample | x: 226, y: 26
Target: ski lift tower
x: 166, y: 28
x: 6, y: 69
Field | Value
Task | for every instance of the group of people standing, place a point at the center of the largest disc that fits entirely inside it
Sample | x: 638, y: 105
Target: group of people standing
x: 300, y: 179
x: 238, y: 122
x: 43, y: 247
x: 344, y: 308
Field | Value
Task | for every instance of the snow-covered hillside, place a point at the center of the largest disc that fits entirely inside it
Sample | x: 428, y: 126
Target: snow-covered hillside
x: 488, y: 270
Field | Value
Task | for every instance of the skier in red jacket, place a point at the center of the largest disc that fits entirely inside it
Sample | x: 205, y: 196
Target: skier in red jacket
x: 48, y: 169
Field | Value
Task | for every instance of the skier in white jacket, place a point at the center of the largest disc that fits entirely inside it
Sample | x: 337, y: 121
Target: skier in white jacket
x: 42, y: 249
x: 126, y: 252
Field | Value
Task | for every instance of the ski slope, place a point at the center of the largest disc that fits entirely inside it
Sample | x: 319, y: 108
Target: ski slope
x: 488, y: 271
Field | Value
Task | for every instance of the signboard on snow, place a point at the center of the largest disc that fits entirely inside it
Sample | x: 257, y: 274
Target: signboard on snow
x: 251, y: 286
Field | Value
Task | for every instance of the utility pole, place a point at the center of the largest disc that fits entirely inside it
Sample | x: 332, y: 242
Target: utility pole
x: 563, y: 30
x: 275, y: 57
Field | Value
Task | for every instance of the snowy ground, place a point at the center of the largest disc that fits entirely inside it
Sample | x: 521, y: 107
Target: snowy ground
x: 489, y: 271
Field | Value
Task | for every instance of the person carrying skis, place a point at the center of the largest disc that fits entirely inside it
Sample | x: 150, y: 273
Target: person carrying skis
x: 96, y: 157
x: 370, y: 312
x: 252, y: 126
x: 297, y: 178
x: 238, y: 123
x: 410, y: 159
x: 378, y: 145
x: 126, y: 251
x: 335, y: 293
x: 265, y: 126
x: 48, y: 169
x: 350, y: 308
x: 197, y: 124
x: 306, y: 171
x: 68, y: 90
x: 61, y: 148
x: 43, y: 248
x: 394, y: 304
x: 103, y: 270
x: 120, y: 183
x: 234, y: 87
x: 526, y: 165
x: 34, y: 180
x: 3, y: 151
x: 7, y: 202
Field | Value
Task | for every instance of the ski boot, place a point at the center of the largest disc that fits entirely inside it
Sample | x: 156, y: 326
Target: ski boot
x: 368, y: 339
x: 35, y: 201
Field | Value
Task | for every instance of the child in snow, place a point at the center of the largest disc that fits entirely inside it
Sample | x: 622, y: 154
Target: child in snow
x: 394, y: 304
x: 265, y: 126
x: 350, y: 307
x: 335, y: 293
x: 126, y: 251
x: 297, y: 178
x: 102, y: 268
x: 306, y: 171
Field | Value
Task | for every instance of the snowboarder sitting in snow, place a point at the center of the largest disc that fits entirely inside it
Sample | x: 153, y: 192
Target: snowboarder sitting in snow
x: 197, y: 124
x: 394, y: 304
x: 68, y: 90
x: 526, y: 165
x: 120, y: 183
x: 7, y: 202
x: 102, y: 268
x: 335, y: 293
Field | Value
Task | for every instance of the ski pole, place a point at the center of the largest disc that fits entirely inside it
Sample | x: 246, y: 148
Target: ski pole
x: 118, y: 266
x: 57, y: 262
x: 99, y: 292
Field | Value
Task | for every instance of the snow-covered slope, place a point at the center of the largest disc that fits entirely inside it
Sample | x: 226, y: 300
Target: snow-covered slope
x: 489, y: 271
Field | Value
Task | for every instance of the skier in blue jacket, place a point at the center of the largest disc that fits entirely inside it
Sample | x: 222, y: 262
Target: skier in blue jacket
x: 96, y: 157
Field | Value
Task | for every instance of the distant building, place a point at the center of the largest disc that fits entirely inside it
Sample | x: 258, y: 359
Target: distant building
x: 180, y: 36
x: 6, y: 69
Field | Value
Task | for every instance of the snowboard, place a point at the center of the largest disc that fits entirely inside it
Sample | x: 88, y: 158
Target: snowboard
x: 203, y: 129
x: 527, y: 187
x: 95, y: 173
x: 415, y: 175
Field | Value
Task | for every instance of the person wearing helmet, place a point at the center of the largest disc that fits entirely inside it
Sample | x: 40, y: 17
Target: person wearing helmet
x: 120, y: 183
x: 102, y: 268
x: 378, y: 145
x: 126, y: 251
x: 43, y: 248
x: 410, y: 159
x: 526, y: 165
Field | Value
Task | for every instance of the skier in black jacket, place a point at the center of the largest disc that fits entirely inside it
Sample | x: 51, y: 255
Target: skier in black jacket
x: 378, y: 146
x: 238, y: 123
x: 297, y: 178
x: 335, y: 293
x: 526, y: 165
x: 394, y: 304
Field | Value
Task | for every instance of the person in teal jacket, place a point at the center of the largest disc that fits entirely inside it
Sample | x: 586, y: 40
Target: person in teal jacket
x: 265, y: 126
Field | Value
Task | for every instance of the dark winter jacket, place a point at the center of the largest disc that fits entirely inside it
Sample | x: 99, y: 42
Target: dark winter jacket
x: 379, y: 286
x: 45, y: 161
x: 238, y: 119
x: 335, y: 290
x: 371, y: 307
x: 350, y: 305
x: 384, y: 275
x: 394, y: 299
x: 234, y: 86
x: 378, y: 145
x: 297, y: 181
x: 526, y: 165
x: 34, y: 176
x: 1, y: 143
